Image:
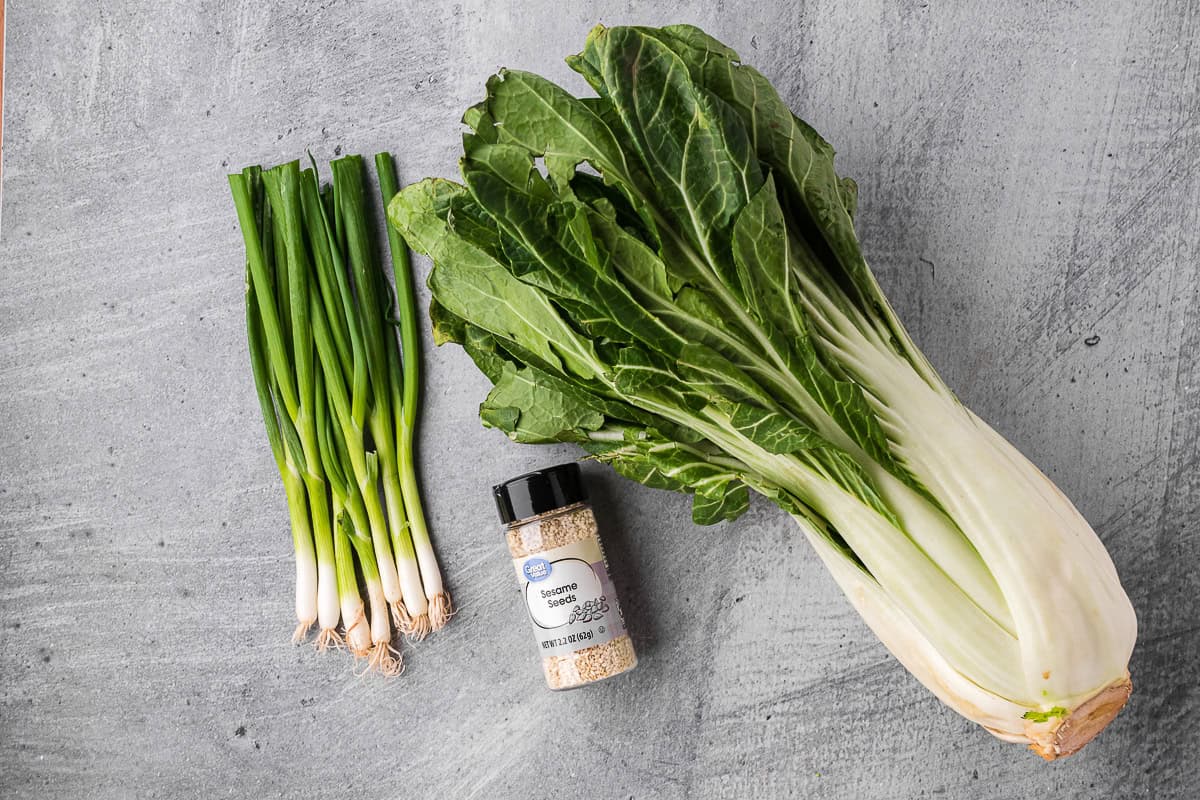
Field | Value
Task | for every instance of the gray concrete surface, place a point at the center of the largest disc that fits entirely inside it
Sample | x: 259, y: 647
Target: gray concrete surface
x: 1030, y: 183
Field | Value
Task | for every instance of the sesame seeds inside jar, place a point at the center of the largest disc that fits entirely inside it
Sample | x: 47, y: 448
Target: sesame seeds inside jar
x: 553, y: 529
x: 555, y: 544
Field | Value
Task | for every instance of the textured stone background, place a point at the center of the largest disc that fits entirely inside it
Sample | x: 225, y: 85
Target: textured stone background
x: 1029, y: 183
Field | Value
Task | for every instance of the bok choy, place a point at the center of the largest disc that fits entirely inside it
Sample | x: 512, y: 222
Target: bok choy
x: 667, y: 274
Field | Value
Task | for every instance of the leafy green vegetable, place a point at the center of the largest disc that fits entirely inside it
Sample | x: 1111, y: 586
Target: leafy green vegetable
x: 668, y: 275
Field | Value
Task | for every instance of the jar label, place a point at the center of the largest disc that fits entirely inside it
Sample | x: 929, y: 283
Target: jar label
x: 570, y: 598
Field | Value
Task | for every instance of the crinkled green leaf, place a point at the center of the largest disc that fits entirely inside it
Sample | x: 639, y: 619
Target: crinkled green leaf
x: 545, y: 119
x: 533, y: 412
x: 823, y: 204
x: 550, y: 245
x: 699, y: 159
x: 720, y: 493
x: 762, y: 253
x: 849, y: 196
x: 473, y: 285
x: 720, y: 501
x: 447, y: 327
x: 772, y: 431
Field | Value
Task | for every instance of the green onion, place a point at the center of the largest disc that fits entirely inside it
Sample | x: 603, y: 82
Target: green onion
x: 285, y: 457
x: 350, y: 404
x: 404, y: 403
x: 274, y: 380
x: 339, y: 406
x: 355, y: 526
x: 283, y: 191
x: 350, y: 203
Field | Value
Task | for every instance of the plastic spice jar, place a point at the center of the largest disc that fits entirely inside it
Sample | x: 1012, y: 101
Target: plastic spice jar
x: 563, y: 576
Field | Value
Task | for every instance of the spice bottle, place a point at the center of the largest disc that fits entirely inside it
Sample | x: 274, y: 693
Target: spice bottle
x: 563, y: 575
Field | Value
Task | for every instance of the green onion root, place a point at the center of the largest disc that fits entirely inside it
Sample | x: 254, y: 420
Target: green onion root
x: 385, y: 559
x: 440, y: 606
x: 354, y: 618
x: 413, y: 615
x: 328, y: 607
x: 381, y: 656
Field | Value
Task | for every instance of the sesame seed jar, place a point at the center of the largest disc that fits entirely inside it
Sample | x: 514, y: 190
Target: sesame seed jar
x: 563, y: 577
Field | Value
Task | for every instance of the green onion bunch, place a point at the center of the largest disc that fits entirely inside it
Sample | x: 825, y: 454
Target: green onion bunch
x: 339, y: 397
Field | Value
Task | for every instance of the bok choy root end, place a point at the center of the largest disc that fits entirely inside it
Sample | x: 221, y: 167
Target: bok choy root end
x: 667, y: 273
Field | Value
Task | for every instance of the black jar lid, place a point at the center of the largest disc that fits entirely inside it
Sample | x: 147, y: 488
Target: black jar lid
x: 539, y: 491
